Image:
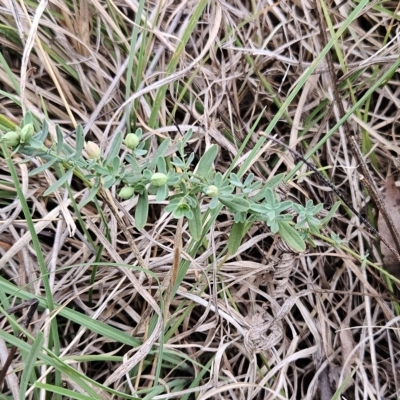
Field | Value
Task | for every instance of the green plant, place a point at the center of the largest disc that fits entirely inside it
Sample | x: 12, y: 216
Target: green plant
x: 184, y: 186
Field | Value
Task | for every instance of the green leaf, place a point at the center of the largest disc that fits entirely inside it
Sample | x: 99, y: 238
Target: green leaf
x: 162, y: 193
x: 131, y: 179
x: 92, y: 194
x: 43, y: 167
x: 235, y: 237
x: 116, y: 163
x: 28, y: 119
x: 173, y: 204
x: 206, y: 162
x: 108, y: 181
x: 147, y: 174
x: 115, y: 147
x: 139, y: 133
x: 291, y: 237
x: 161, y: 165
x: 132, y: 161
x: 269, y: 196
x: 272, y: 184
x: 187, y: 136
x: 178, y: 162
x: 35, y: 143
x: 237, y: 204
x: 101, y: 170
x: 142, y: 210
x: 80, y: 141
x: 60, y: 139
x: 195, y: 224
x: 330, y: 214
x: 192, y: 201
x: 42, y: 135
x: 235, y: 180
x: 162, y: 149
x: 183, y: 210
x: 29, y: 364
x: 275, y: 181
x: 190, y: 159
x: 249, y: 179
x: 59, y: 183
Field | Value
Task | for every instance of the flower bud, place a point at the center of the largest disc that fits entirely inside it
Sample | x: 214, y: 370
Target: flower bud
x: 211, y: 191
x: 131, y: 141
x: 158, y: 179
x: 11, y: 139
x: 92, y: 150
x: 126, y: 192
x: 26, y: 133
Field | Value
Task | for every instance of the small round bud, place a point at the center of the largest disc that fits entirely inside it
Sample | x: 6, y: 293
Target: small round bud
x: 211, y: 191
x: 11, y: 139
x: 131, y: 141
x: 92, y: 150
x: 126, y: 192
x: 26, y: 133
x: 158, y: 179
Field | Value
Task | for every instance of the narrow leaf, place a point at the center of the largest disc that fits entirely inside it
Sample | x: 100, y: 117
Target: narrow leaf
x: 42, y: 135
x: 235, y: 237
x: 116, y: 163
x: 60, y: 139
x: 272, y: 184
x: 291, y: 237
x: 92, y: 194
x: 30, y: 363
x: 162, y: 149
x: 101, y: 170
x: 43, y: 167
x: 330, y: 214
x: 80, y: 141
x: 139, y: 133
x: 206, y: 162
x: 161, y: 165
x: 35, y: 143
x: 59, y: 183
x: 195, y: 224
x: 115, y: 147
x: 28, y: 119
x: 162, y: 193
x: 108, y: 181
x: 187, y: 136
x: 142, y: 210
x: 132, y: 161
x: 237, y: 204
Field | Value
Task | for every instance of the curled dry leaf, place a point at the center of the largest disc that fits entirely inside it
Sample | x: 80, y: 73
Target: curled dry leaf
x: 391, y: 196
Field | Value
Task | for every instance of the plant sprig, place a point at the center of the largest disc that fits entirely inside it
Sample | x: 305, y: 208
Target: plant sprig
x: 184, y: 186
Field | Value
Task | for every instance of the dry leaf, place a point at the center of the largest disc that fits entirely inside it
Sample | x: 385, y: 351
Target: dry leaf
x: 391, y: 196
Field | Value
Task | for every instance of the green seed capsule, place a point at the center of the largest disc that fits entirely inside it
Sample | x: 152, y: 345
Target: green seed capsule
x: 158, y: 179
x: 131, y: 141
x: 26, y: 133
x: 126, y: 192
x: 11, y: 139
x: 211, y: 191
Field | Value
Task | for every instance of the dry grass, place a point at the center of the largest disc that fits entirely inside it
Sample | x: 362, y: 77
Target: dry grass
x: 263, y: 324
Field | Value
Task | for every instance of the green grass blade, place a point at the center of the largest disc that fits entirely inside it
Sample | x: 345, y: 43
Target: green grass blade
x: 30, y: 363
